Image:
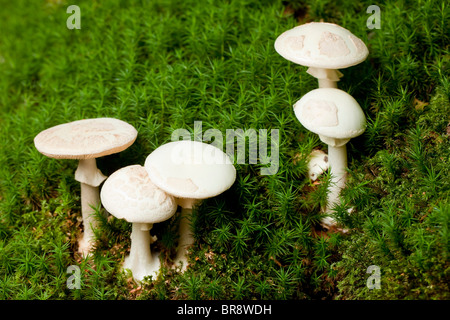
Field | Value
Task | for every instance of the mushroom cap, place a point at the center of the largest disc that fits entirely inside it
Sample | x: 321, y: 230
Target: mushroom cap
x: 130, y: 194
x: 321, y: 45
x: 190, y: 169
x: 331, y: 113
x: 86, y: 139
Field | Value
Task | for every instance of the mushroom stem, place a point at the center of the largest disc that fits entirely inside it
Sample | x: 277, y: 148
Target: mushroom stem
x: 90, y: 200
x: 90, y: 178
x: 327, y: 78
x: 186, y: 237
x: 337, y: 157
x: 326, y: 83
x: 87, y: 172
x: 140, y: 261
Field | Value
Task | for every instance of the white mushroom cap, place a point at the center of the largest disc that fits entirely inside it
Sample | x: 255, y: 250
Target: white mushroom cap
x: 190, y: 169
x: 86, y: 139
x: 321, y: 45
x: 331, y: 113
x: 130, y: 194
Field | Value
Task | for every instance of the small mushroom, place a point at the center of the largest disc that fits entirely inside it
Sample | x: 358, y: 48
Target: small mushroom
x: 86, y: 140
x: 336, y: 117
x: 190, y: 171
x: 324, y: 48
x: 318, y: 163
x: 130, y: 194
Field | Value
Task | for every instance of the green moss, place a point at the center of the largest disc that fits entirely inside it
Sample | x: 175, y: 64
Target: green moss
x: 161, y: 65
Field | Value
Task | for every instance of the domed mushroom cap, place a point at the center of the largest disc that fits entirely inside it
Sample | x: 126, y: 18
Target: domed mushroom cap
x: 321, y: 45
x: 331, y: 113
x: 86, y: 139
x: 190, y: 169
x: 130, y: 194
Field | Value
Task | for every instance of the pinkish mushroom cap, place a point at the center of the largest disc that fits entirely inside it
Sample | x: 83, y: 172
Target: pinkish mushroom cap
x: 130, y: 194
x: 86, y: 139
x: 321, y: 45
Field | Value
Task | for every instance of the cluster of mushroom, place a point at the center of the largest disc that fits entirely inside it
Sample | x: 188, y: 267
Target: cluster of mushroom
x: 183, y: 173
x: 176, y: 174
x: 327, y: 111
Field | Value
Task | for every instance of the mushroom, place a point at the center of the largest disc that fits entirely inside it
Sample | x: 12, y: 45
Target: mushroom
x: 130, y: 194
x: 336, y: 117
x: 86, y: 140
x: 324, y: 48
x: 190, y: 171
x: 318, y: 163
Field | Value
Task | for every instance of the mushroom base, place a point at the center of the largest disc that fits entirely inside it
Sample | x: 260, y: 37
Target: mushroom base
x: 141, y: 261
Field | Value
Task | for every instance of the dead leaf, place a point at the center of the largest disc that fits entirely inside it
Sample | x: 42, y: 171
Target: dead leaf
x: 138, y: 289
x: 419, y: 105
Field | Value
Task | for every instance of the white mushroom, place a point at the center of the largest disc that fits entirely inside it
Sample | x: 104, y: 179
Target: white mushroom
x: 324, y: 48
x: 318, y: 163
x: 190, y: 171
x: 130, y: 194
x: 336, y: 117
x: 86, y: 140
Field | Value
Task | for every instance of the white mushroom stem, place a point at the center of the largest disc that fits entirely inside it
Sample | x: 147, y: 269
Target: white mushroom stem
x: 326, y: 83
x: 186, y: 237
x: 90, y: 177
x: 90, y: 200
x: 337, y: 159
x: 338, y: 164
x: 140, y: 261
x: 327, y: 78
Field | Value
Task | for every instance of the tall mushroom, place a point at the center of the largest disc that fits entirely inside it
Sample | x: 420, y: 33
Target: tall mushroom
x: 86, y: 140
x: 130, y: 194
x: 190, y: 171
x: 324, y: 48
x: 336, y: 117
